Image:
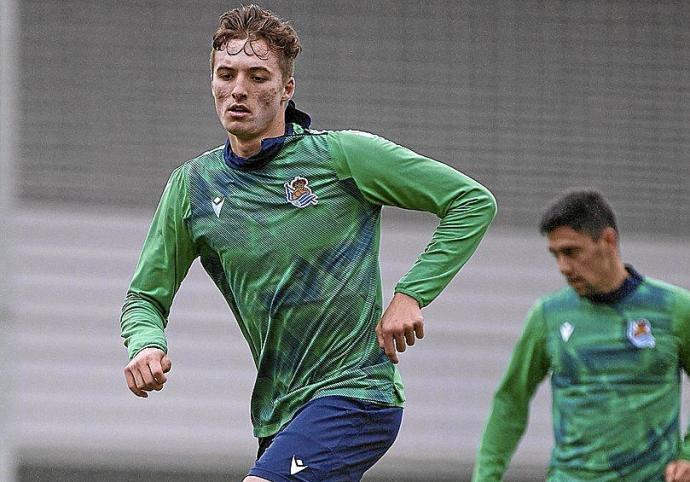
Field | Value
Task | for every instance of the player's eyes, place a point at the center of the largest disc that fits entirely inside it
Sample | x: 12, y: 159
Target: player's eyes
x: 567, y: 252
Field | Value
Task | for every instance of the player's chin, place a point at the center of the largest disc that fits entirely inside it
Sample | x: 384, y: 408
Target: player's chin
x: 242, y: 131
x: 579, y: 288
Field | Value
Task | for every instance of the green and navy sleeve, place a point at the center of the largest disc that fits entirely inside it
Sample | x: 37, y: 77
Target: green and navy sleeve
x: 681, y: 318
x: 165, y: 259
x: 392, y: 175
x: 510, y: 408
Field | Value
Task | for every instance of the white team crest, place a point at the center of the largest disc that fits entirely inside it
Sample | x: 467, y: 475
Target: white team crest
x: 217, y: 205
x: 299, y: 194
x: 566, y: 330
x: 297, y: 466
x: 640, y: 333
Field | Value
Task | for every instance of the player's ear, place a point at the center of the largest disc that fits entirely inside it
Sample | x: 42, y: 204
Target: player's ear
x: 610, y: 237
x: 288, y: 90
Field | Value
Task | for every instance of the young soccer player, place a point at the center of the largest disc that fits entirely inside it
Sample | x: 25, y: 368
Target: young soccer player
x: 615, y: 343
x: 285, y: 220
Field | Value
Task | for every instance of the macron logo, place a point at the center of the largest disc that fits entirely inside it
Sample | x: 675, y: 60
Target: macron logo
x: 566, y: 330
x: 218, y: 205
x: 297, y: 466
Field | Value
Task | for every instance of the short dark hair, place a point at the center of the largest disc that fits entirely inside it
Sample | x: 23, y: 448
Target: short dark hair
x: 584, y: 210
x: 254, y: 23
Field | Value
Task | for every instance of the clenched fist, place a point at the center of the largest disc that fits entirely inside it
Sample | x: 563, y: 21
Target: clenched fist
x: 146, y: 371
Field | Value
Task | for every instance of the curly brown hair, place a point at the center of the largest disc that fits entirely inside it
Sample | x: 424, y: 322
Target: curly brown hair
x: 254, y: 23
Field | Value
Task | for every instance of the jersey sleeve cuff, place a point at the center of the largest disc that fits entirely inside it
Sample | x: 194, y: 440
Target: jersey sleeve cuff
x: 411, y: 294
x: 684, y: 453
x: 135, y: 349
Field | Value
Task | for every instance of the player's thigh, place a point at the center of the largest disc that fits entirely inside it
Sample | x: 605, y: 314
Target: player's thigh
x: 331, y: 439
x: 251, y: 478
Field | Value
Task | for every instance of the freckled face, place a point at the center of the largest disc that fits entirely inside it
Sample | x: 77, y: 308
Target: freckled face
x: 249, y: 90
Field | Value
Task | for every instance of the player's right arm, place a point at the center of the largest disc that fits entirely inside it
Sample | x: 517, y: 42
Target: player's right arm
x: 165, y: 259
x: 510, y: 408
x: 146, y: 371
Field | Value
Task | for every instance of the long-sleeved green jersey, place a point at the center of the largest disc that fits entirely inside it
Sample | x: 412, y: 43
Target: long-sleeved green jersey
x: 293, y: 245
x: 615, y: 379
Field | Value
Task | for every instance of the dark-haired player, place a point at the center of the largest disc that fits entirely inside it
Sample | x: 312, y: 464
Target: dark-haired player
x: 615, y: 344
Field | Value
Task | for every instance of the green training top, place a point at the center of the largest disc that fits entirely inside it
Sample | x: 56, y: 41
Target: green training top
x: 293, y: 247
x: 615, y: 380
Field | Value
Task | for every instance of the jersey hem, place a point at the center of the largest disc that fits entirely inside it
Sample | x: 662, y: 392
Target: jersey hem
x: 273, y: 429
x: 399, y: 404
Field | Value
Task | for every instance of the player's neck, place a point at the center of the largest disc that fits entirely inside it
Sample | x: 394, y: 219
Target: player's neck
x: 618, y: 276
x: 250, y: 146
x: 245, y: 148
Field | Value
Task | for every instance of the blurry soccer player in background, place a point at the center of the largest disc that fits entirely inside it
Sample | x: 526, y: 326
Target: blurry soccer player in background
x: 615, y: 343
x: 285, y: 220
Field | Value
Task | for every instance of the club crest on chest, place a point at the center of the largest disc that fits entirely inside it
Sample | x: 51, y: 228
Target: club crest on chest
x: 299, y: 194
x: 640, y: 333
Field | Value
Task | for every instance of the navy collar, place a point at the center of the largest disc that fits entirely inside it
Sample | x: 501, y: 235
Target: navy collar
x: 631, y: 283
x: 294, y: 115
x: 271, y: 146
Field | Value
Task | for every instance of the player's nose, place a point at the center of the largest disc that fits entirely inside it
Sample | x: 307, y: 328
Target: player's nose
x: 239, y: 90
x: 563, y: 265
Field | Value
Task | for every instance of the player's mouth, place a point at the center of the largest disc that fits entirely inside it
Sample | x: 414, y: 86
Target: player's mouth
x: 238, y: 111
x: 578, y: 284
x: 574, y: 281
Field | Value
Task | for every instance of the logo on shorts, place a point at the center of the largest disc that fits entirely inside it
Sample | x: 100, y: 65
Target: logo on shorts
x: 299, y: 194
x: 297, y: 466
x: 640, y: 333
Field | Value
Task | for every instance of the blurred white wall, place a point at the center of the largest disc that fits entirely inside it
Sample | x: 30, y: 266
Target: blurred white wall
x: 70, y: 404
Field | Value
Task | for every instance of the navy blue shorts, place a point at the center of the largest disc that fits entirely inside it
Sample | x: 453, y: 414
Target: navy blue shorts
x: 330, y: 439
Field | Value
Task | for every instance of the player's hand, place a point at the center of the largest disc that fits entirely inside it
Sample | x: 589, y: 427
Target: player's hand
x: 678, y: 471
x: 146, y: 371
x: 400, y: 325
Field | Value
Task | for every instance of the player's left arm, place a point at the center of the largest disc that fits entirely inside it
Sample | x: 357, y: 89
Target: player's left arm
x: 392, y: 175
x: 679, y: 470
